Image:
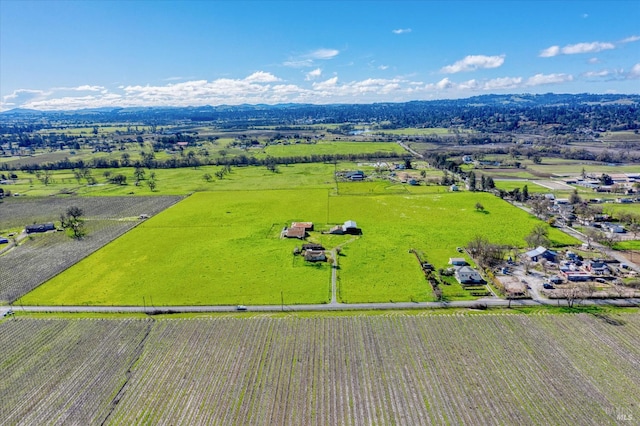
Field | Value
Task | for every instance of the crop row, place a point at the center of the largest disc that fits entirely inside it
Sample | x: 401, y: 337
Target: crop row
x: 65, y: 372
x: 443, y: 369
x: 21, y: 211
x: 36, y: 260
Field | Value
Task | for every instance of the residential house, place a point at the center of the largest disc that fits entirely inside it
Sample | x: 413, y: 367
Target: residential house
x: 468, y: 275
x: 315, y: 256
x: 355, y: 176
x: 457, y: 261
x: 597, y: 267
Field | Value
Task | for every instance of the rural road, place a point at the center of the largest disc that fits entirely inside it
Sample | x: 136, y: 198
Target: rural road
x: 481, y: 303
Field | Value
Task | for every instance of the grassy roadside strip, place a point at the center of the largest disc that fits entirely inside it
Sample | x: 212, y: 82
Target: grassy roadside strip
x: 526, y: 310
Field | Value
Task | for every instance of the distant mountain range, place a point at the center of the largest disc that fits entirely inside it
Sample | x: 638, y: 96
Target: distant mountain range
x: 546, y: 108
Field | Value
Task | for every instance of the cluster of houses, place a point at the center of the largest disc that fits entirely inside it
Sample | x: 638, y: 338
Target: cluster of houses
x: 618, y: 182
x: 564, y: 210
x: 300, y: 230
x: 315, y: 252
x: 573, y: 268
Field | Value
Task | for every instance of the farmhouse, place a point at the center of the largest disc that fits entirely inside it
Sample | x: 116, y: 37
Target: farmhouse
x: 40, y: 227
x: 355, y: 176
x: 541, y: 253
x: 315, y: 256
x: 468, y: 275
x: 597, y: 267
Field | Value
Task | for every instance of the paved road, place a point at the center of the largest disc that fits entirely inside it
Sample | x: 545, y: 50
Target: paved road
x: 471, y: 304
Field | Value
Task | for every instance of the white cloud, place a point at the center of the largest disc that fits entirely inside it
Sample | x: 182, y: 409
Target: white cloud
x: 401, y: 31
x: 327, y: 84
x: 323, y: 54
x: 88, y: 88
x: 312, y: 75
x: 308, y: 59
x: 540, y: 79
x: 635, y: 72
x: 266, y: 88
x: 573, y: 49
x: 262, y: 77
x: 593, y: 61
x: 383, y: 67
x: 474, y: 62
x: 298, y: 63
x: 502, y: 83
x: 630, y: 39
x: 596, y: 74
x: 550, y: 51
x: 595, y: 46
x: 445, y: 83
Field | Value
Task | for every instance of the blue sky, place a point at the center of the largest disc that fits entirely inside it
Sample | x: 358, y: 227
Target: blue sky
x: 85, y: 54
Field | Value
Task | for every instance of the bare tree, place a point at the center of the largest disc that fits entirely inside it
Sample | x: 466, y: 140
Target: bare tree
x: 539, y: 236
x: 572, y: 293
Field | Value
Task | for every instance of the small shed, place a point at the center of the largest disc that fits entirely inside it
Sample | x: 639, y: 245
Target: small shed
x: 308, y: 226
x: 300, y: 233
x: 312, y: 246
x: 457, y: 261
x: 337, y: 230
x: 350, y: 227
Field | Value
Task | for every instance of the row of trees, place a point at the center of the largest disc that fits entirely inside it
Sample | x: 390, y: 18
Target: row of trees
x: 149, y: 161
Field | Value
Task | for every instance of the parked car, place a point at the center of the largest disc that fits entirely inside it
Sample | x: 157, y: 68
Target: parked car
x: 241, y: 308
x: 548, y: 286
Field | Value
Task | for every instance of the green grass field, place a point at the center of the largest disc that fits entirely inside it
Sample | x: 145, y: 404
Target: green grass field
x: 224, y: 248
x: 330, y: 148
x: 213, y: 248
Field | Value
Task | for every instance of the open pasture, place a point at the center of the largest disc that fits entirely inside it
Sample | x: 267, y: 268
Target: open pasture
x: 378, y: 267
x: 213, y: 248
x: 182, y: 181
x: 576, y: 369
x: 224, y: 248
x: 331, y: 148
